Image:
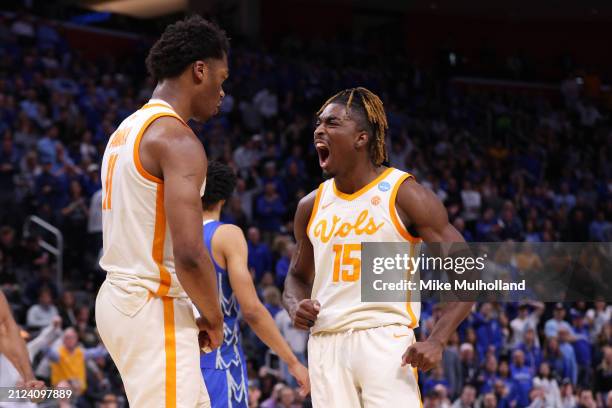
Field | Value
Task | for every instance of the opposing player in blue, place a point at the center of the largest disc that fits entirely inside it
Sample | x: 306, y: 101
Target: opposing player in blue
x: 224, y: 369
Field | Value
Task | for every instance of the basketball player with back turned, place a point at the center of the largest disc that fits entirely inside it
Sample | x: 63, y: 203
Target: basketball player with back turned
x: 153, y: 175
x: 359, y: 353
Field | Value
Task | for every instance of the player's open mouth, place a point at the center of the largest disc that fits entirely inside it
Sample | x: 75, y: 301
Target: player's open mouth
x: 323, y: 152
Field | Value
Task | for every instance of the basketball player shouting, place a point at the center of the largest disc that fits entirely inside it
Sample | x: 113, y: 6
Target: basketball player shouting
x: 154, y: 173
x: 359, y: 353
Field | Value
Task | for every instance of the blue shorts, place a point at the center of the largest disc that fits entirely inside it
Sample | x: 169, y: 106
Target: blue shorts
x: 227, y: 388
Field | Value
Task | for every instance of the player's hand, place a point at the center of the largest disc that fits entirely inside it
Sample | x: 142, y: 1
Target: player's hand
x: 209, y: 337
x: 32, y: 384
x: 300, y: 373
x: 305, y: 314
x: 423, y: 355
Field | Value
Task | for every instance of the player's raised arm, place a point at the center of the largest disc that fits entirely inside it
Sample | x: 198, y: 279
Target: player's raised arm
x: 423, y: 210
x: 298, y: 284
x: 233, y: 248
x: 181, y: 156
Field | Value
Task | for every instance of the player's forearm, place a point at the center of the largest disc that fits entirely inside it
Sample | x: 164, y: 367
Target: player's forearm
x: 197, y: 276
x: 452, y: 315
x: 295, y: 291
x: 14, y: 348
x: 260, y: 320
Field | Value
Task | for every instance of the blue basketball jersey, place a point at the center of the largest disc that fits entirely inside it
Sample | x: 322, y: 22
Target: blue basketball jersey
x: 224, y: 370
x: 230, y: 350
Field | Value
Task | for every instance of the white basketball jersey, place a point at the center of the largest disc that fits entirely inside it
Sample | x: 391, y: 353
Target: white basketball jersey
x: 137, y: 246
x: 339, y: 223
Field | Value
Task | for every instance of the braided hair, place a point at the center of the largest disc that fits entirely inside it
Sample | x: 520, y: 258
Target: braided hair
x: 369, y: 105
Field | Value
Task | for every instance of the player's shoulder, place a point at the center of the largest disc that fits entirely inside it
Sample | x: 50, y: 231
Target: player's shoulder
x: 168, y: 129
x: 169, y: 137
x: 306, y: 203
x: 411, y: 189
x: 230, y: 231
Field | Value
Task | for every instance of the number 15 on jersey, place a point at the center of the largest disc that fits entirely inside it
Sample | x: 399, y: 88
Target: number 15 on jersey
x: 347, y: 262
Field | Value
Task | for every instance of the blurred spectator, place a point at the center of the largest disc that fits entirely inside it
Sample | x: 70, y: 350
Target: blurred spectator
x: 260, y: 257
x: 522, y: 377
x: 524, y: 321
x: 552, y: 326
x: 69, y: 361
x: 548, y: 384
x: 297, y: 340
x: 270, y: 210
x: 467, y: 398
x: 272, y: 300
x: 531, y: 351
x: 603, y: 373
x: 586, y: 400
x: 42, y: 314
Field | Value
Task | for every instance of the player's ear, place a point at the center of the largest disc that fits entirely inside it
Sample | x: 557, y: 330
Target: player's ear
x: 362, y: 139
x: 199, y: 70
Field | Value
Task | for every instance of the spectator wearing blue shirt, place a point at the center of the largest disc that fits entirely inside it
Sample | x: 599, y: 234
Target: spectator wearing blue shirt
x: 270, y: 210
x: 489, y: 375
x: 560, y: 362
x: 567, y: 351
x: 47, y: 188
x: 488, y: 330
x: 509, y: 383
x: 260, y: 257
x: 522, y: 376
x: 282, y: 265
x: 436, y: 377
x: 46, y: 146
x: 552, y: 326
x: 531, y: 351
x: 583, y: 349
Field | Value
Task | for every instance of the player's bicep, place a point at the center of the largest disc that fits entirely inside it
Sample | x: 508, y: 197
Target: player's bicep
x: 183, y: 165
x: 302, y: 261
x: 427, y: 213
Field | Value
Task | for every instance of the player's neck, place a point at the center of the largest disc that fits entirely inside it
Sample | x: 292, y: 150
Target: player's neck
x: 356, y: 178
x: 170, y: 92
x: 211, y: 215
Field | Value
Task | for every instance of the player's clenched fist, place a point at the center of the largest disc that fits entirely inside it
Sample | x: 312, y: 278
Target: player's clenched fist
x: 423, y: 355
x: 305, y: 314
x: 209, y: 337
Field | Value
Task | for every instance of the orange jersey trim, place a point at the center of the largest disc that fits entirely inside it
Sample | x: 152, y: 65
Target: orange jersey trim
x: 413, y: 319
x: 393, y: 212
x: 146, y: 125
x: 415, y: 371
x: 170, y: 349
x: 313, y: 213
x: 159, y: 238
x: 362, y: 190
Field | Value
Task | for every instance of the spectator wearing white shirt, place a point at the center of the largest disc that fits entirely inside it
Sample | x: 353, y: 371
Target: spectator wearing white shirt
x: 472, y: 202
x: 599, y: 316
x: 524, y: 321
x: 41, y: 314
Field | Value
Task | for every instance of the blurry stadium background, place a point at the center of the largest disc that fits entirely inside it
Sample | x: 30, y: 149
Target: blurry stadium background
x: 501, y: 108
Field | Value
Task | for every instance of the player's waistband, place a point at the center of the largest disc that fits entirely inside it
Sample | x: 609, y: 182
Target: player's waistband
x: 350, y: 330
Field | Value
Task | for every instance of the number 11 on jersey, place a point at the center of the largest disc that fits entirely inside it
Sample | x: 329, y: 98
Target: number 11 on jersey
x: 350, y: 266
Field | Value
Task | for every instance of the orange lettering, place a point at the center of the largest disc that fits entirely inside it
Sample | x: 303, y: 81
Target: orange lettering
x: 345, y: 228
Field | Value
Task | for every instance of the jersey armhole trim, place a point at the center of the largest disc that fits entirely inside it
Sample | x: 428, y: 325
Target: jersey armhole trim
x: 399, y: 226
x: 141, y: 170
x: 315, y: 207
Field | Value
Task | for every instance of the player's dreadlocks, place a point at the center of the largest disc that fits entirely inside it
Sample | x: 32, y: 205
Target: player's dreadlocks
x: 374, y: 119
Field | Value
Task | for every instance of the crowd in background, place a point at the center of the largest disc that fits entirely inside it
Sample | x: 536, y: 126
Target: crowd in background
x: 507, y: 167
